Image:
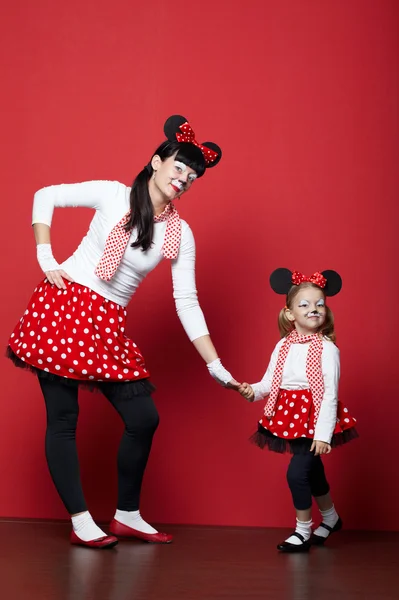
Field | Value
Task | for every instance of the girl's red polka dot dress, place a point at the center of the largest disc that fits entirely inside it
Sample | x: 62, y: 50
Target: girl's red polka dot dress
x: 293, y: 424
x: 76, y: 334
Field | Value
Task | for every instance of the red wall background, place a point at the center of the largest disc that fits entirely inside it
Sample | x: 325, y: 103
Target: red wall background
x: 303, y: 98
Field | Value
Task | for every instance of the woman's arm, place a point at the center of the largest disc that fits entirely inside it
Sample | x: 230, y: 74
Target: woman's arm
x: 45, y: 257
x: 189, y: 310
x: 205, y: 348
x: 207, y: 351
x: 185, y: 290
x: 90, y: 194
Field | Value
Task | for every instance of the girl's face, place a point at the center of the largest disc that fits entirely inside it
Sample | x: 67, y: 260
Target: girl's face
x: 308, y: 310
x: 172, y: 177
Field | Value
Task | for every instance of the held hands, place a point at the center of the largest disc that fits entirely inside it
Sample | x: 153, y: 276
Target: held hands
x: 246, y: 391
x: 320, y: 448
x: 221, y: 375
x: 233, y: 385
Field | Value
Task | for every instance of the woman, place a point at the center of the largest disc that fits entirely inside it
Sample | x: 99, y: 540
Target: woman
x: 73, y: 331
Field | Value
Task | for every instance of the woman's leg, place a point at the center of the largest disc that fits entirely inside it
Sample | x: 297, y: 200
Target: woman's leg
x: 141, y: 420
x: 61, y: 452
x: 62, y: 457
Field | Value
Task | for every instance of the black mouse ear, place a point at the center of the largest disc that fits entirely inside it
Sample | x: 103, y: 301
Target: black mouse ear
x: 212, y: 158
x: 172, y: 126
x: 334, y: 283
x: 281, y: 281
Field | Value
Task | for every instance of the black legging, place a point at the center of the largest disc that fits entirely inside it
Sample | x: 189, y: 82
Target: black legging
x: 141, y: 419
x: 306, y: 478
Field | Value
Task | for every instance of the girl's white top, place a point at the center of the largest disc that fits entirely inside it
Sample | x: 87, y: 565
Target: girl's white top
x: 294, y: 378
x: 110, y: 200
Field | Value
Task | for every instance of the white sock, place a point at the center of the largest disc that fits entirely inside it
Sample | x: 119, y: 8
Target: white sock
x: 304, y: 528
x: 330, y: 518
x: 133, y: 518
x: 85, y: 528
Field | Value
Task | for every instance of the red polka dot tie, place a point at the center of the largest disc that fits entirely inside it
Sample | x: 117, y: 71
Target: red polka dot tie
x: 313, y: 370
x: 117, y: 241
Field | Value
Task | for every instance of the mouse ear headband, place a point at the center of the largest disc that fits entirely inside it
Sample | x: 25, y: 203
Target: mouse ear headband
x: 281, y: 281
x: 177, y: 128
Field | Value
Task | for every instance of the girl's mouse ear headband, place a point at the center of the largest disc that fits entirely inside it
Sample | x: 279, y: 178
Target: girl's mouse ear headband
x: 177, y: 128
x: 281, y: 281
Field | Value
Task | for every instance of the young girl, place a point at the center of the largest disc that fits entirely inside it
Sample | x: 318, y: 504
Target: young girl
x: 303, y: 414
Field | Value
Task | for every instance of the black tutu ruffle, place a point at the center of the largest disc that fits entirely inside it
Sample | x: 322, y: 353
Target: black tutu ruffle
x: 264, y: 439
x: 140, y: 387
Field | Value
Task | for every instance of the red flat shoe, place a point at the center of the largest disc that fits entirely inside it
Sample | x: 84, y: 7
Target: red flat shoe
x: 107, y: 541
x: 123, y: 531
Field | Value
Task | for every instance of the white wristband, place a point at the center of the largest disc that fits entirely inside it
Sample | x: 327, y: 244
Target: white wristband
x: 45, y: 258
x: 218, y: 372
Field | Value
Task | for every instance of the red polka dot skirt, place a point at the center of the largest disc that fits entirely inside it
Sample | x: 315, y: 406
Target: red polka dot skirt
x: 76, y: 334
x: 293, y: 424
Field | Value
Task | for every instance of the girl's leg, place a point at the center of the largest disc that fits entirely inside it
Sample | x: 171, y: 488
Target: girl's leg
x: 298, y: 477
x: 321, y: 492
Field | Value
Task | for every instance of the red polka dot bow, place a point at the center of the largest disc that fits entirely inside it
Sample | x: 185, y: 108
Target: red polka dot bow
x: 317, y: 278
x: 188, y: 135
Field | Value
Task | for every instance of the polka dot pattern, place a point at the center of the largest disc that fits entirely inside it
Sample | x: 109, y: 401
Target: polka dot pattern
x: 60, y: 333
x: 297, y: 416
x: 118, y: 239
x: 188, y: 135
x: 317, y: 278
x: 313, y: 370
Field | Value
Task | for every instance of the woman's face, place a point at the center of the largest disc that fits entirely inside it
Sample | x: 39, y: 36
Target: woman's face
x: 172, y: 177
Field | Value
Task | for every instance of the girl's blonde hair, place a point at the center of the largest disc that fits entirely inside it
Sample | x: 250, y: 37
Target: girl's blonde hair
x: 285, y: 326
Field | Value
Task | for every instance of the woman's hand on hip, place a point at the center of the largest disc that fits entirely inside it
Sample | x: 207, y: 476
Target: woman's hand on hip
x: 57, y: 277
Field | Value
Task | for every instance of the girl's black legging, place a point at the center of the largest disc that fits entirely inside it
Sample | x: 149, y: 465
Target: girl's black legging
x: 141, y: 419
x: 306, y: 478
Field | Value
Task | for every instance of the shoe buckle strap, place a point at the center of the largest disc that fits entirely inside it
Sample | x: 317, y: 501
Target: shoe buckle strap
x: 299, y: 536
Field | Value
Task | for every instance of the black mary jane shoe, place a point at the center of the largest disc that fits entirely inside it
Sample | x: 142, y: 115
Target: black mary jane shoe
x: 318, y: 540
x: 288, y: 547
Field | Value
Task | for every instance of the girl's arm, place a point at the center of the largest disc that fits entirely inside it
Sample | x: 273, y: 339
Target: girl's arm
x: 328, y: 411
x: 262, y: 388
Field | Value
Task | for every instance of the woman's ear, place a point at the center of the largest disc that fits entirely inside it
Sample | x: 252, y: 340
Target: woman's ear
x: 155, y: 162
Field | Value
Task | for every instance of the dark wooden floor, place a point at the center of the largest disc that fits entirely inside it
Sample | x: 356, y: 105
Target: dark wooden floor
x: 37, y: 563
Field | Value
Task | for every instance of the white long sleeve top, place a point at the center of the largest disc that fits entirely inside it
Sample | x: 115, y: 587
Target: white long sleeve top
x: 110, y: 200
x: 294, y: 378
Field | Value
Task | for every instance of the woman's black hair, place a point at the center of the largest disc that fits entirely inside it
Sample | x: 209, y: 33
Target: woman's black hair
x: 142, y: 212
